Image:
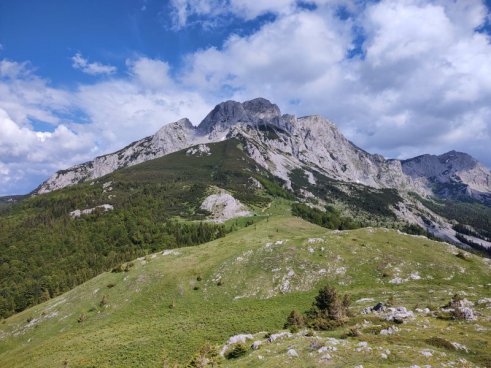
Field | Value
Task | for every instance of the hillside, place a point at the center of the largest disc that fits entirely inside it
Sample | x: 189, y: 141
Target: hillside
x: 310, y: 157
x: 169, y: 304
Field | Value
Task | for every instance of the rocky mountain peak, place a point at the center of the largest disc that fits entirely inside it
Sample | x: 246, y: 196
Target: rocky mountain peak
x: 261, y: 110
x: 224, y: 115
x: 463, y: 172
x: 229, y: 113
x: 460, y: 159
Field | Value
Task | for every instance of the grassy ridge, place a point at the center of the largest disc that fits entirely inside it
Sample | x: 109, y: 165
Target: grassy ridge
x: 170, y: 305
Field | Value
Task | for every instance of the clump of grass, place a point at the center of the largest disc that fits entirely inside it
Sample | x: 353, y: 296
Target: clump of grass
x: 237, y: 351
x: 353, y: 332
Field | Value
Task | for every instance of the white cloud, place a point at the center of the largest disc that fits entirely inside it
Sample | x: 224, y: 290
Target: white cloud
x: 117, y: 111
x: 206, y: 10
x: 150, y: 73
x: 423, y: 83
x: 82, y: 64
x: 424, y: 80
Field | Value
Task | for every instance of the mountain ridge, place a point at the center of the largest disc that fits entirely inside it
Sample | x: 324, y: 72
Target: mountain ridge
x: 282, y: 143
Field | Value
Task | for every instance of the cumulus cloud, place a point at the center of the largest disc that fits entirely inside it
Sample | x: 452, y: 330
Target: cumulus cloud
x: 116, y: 112
x: 420, y: 82
x: 82, y: 64
x: 399, y: 77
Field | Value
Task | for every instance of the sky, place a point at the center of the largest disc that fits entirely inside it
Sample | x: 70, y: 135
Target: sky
x: 80, y: 79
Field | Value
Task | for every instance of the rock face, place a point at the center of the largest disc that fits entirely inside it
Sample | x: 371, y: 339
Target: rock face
x: 281, y: 143
x: 168, y: 139
x: 223, y: 207
x: 452, y: 174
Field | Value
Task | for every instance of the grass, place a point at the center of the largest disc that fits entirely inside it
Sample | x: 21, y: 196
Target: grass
x: 154, y: 309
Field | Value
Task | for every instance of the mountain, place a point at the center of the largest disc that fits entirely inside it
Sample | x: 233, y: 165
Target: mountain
x: 282, y: 143
x: 279, y: 142
x: 451, y: 175
x: 229, y: 226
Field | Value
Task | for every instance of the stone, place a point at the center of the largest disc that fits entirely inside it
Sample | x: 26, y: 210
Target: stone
x: 292, y: 353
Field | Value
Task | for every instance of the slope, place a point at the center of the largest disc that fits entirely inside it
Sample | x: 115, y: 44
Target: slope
x: 170, y: 303
x: 47, y: 249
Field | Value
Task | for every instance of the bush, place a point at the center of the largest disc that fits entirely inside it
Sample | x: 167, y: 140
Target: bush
x: 237, y: 351
x: 440, y: 343
x: 208, y: 356
x: 103, y: 301
x: 329, y: 305
x: 328, y: 311
x: 295, y: 319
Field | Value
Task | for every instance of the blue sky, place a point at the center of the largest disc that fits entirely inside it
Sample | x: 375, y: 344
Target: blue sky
x: 84, y: 78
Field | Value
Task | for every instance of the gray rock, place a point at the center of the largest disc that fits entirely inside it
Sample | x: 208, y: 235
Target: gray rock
x: 456, y: 173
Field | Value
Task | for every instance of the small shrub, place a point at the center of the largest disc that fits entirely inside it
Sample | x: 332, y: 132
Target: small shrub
x: 329, y: 305
x: 110, y: 286
x: 103, y: 301
x: 446, y: 316
x: 220, y: 282
x: 390, y: 301
x: 295, y: 319
x: 323, y: 324
x: 354, y: 332
x: 82, y: 318
x: 440, y: 343
x: 237, y: 351
x: 198, y: 278
x: 196, y: 288
x: 208, y: 356
x: 462, y: 255
x: 294, y: 329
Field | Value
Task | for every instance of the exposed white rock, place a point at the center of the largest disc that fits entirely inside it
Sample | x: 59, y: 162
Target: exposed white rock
x: 484, y: 301
x: 389, y: 331
x: 103, y: 207
x: 326, y: 357
x: 223, y: 207
x: 459, y: 346
x: 168, y: 252
x: 292, y: 353
x: 199, y: 150
x: 256, y: 345
x: 279, y: 335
